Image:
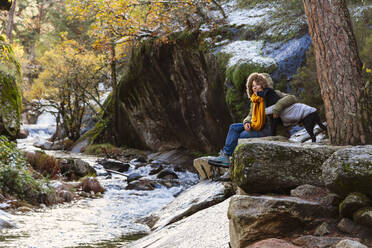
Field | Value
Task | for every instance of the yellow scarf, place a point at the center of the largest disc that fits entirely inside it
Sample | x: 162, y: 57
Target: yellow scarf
x: 258, y: 113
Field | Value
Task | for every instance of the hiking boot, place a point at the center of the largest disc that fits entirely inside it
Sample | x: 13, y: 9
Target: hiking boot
x: 222, y: 159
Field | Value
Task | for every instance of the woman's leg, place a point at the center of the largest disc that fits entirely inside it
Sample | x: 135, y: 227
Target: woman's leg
x: 232, y: 138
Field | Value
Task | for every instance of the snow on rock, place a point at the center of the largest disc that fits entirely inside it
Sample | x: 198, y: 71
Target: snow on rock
x: 247, y: 52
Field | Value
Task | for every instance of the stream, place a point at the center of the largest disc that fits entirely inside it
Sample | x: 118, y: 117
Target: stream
x: 107, y: 221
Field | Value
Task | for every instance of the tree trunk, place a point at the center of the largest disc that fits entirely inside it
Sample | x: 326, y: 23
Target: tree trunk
x: 339, y: 72
x: 114, y: 85
x: 9, y: 29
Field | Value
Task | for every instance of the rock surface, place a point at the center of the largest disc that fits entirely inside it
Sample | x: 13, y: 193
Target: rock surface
x: 269, y: 166
x: 194, y: 199
x: 349, y: 170
x: 258, y: 217
x: 271, y: 243
x: 347, y: 243
x: 363, y: 216
x: 206, y: 228
x: 319, y: 242
x: 352, y: 203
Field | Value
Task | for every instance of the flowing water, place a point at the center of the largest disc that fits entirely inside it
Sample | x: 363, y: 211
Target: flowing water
x: 107, y: 221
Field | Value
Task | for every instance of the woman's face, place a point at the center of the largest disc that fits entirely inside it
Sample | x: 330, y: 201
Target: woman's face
x: 256, y: 87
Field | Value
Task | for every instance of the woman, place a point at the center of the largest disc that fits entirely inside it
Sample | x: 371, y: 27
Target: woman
x: 256, y: 124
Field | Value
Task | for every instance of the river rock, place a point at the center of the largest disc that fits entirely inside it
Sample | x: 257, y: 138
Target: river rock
x: 45, y: 145
x: 91, y: 184
x: 352, y: 203
x: 310, y: 241
x: 23, y: 133
x: 111, y: 164
x: 76, y: 168
x: 259, y: 217
x: 167, y: 174
x: 348, y: 226
x: 323, y: 229
x: 200, y: 196
x: 271, y: 243
x: 347, y: 243
x: 363, y: 216
x: 142, y: 184
x: 65, y: 195
x: 6, y: 220
x: 314, y: 193
x: 133, y: 177
x: 155, y: 168
x: 269, y: 166
x: 206, y: 228
x: 349, y: 170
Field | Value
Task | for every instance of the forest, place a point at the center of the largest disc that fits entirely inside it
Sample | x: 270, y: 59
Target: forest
x: 107, y: 103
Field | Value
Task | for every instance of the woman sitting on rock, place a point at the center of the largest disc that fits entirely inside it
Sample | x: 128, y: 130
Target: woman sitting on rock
x: 256, y: 124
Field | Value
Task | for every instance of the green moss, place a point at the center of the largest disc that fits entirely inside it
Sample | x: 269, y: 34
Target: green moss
x: 10, y: 109
x: 17, y: 178
x: 236, y: 97
x: 10, y: 93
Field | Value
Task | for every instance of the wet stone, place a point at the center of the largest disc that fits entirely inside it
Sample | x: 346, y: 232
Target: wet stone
x: 141, y: 185
x: 167, y: 174
x: 155, y: 169
x: 109, y: 164
x: 133, y: 176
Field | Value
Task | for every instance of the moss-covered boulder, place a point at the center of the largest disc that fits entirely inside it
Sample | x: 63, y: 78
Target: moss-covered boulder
x: 244, y: 58
x: 271, y: 166
x: 10, y: 93
x: 349, y: 170
x: 172, y: 96
x: 363, y: 216
x: 352, y: 203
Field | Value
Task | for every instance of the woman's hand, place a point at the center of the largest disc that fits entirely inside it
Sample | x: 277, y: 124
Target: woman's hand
x: 247, y: 126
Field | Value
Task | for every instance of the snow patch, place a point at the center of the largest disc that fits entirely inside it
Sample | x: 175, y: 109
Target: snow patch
x: 247, y: 52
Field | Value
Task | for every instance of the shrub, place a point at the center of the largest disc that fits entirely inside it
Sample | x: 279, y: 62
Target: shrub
x: 103, y: 149
x: 47, y: 165
x: 17, y: 177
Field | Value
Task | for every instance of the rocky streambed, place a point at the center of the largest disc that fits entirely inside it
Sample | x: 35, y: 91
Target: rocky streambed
x: 132, y: 191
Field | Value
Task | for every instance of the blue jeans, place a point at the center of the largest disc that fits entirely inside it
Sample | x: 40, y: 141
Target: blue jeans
x: 237, y: 131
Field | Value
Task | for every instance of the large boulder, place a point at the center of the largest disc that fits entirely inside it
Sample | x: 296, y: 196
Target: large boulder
x: 349, y: 170
x: 170, y: 97
x: 254, y: 218
x: 10, y: 93
x: 352, y: 203
x: 198, y: 197
x: 204, y: 229
x: 267, y: 166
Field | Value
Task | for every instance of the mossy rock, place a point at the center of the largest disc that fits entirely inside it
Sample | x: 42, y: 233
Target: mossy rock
x: 10, y: 92
x: 363, y: 216
x: 349, y: 170
x: 352, y: 203
x: 236, y: 96
x: 10, y: 105
x: 273, y: 166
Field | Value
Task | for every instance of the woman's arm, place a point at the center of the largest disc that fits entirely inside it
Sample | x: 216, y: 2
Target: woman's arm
x: 284, y: 102
x: 249, y: 116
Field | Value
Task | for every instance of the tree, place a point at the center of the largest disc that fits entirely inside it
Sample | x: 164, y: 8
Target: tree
x: 69, y: 82
x: 345, y: 92
x: 123, y: 22
x: 11, y: 21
